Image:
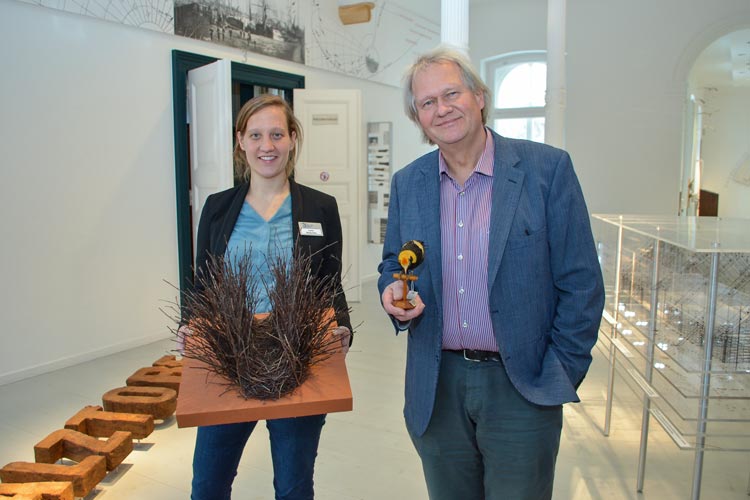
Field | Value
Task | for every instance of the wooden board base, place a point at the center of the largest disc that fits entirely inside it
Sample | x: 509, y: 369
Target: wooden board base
x: 204, y: 400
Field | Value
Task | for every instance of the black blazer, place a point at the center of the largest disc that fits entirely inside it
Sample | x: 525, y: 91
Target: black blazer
x: 220, y: 214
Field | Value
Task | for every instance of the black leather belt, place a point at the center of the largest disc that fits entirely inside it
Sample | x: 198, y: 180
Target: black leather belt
x: 478, y: 356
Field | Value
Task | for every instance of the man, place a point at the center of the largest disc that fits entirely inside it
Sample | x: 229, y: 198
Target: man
x: 509, y: 296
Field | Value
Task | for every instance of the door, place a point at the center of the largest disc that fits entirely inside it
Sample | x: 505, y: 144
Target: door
x: 210, y: 121
x: 243, y: 75
x: 331, y: 160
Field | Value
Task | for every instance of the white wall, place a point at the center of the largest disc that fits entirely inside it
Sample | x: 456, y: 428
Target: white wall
x: 726, y: 144
x: 87, y: 182
x: 87, y: 179
x: 627, y: 69
x: 508, y: 26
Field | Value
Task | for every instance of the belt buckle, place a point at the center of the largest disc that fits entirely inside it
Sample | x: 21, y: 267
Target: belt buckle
x: 470, y: 359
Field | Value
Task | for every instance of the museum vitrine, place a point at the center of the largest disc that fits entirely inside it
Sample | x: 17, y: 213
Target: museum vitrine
x: 678, y: 326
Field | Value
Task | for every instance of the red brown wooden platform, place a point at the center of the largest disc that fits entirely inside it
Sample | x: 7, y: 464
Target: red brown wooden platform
x: 204, y: 400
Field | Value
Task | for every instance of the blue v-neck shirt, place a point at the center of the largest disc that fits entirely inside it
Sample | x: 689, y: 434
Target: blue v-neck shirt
x: 267, y: 240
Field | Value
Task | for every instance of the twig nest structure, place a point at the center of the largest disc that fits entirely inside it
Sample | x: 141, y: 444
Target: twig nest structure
x: 262, y: 356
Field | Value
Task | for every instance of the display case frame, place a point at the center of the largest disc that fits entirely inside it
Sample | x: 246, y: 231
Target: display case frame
x: 677, y: 326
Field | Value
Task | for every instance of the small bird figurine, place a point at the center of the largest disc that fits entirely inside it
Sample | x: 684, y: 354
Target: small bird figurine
x: 411, y: 255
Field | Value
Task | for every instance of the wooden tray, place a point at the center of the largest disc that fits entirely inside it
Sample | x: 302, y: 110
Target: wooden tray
x: 204, y: 400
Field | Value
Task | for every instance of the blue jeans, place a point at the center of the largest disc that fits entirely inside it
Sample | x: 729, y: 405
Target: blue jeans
x: 484, y: 440
x: 294, y: 446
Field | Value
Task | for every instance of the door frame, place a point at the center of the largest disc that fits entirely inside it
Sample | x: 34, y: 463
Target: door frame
x: 340, y: 173
x: 182, y: 62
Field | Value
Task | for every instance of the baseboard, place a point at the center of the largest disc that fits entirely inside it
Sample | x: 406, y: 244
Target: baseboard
x: 32, y: 371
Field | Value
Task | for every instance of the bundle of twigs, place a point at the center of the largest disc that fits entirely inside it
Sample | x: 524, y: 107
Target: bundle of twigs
x: 262, y: 357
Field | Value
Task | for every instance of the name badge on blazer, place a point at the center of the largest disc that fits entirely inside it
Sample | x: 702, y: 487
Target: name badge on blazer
x: 310, y: 229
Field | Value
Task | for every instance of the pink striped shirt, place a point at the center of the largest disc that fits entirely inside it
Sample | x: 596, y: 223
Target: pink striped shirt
x: 464, y: 232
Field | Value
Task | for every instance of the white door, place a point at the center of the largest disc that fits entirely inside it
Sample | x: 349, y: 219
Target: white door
x: 331, y: 161
x: 210, y: 119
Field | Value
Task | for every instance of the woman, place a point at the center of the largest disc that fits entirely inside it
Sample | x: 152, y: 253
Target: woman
x: 263, y: 216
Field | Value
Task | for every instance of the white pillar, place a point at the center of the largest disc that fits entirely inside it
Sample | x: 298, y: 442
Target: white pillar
x: 554, y: 124
x: 454, y: 23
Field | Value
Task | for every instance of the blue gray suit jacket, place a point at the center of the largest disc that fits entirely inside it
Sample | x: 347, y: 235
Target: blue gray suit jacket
x: 545, y: 285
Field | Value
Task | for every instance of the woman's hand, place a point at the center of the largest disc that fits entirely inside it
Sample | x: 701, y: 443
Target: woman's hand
x: 344, y: 336
x: 182, y: 332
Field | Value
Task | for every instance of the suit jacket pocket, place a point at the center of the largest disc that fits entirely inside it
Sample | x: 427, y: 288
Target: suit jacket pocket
x: 527, y: 238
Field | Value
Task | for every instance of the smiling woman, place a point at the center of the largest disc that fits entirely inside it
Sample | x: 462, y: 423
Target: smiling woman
x: 257, y: 222
x: 266, y: 138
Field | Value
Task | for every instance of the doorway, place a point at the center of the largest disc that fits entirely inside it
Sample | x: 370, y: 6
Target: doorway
x: 247, y: 81
x: 716, y: 156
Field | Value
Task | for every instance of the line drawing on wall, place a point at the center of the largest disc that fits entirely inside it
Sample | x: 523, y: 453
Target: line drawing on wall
x: 155, y: 15
x: 378, y: 50
x: 303, y: 31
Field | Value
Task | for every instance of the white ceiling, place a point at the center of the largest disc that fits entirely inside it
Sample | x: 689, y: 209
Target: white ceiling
x: 724, y: 63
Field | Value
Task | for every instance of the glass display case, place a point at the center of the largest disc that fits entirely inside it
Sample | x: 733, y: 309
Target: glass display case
x: 678, y: 322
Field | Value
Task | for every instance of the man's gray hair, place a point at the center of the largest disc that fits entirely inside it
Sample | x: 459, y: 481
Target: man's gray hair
x: 438, y: 55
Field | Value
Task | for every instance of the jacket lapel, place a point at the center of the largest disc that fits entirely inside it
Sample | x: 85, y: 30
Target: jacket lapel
x: 294, y: 192
x: 428, y: 200
x: 506, y: 191
x: 227, y: 226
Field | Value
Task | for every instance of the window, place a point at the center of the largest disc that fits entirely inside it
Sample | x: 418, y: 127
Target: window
x: 518, y: 82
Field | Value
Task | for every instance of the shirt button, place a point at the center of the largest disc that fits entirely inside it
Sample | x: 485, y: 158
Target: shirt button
x: 460, y: 223
x: 460, y: 257
x: 462, y: 193
x: 465, y: 324
x: 461, y: 290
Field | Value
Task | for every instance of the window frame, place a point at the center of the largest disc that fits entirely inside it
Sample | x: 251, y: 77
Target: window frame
x: 489, y: 69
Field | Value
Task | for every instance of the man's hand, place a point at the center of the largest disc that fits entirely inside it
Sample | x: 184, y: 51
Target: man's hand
x: 395, y: 291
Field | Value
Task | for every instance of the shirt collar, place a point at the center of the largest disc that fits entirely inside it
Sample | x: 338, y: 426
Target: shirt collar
x: 486, y: 163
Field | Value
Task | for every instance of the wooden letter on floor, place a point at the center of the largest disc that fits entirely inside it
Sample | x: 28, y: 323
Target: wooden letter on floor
x: 84, y: 475
x: 168, y: 360
x: 46, y: 491
x: 160, y: 402
x: 93, y: 421
x: 76, y: 446
x: 157, y: 376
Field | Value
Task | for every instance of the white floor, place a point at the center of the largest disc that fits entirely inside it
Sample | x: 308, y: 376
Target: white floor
x: 366, y: 453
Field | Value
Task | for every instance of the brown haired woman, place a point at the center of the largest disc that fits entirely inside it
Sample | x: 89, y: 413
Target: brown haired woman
x: 262, y: 216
